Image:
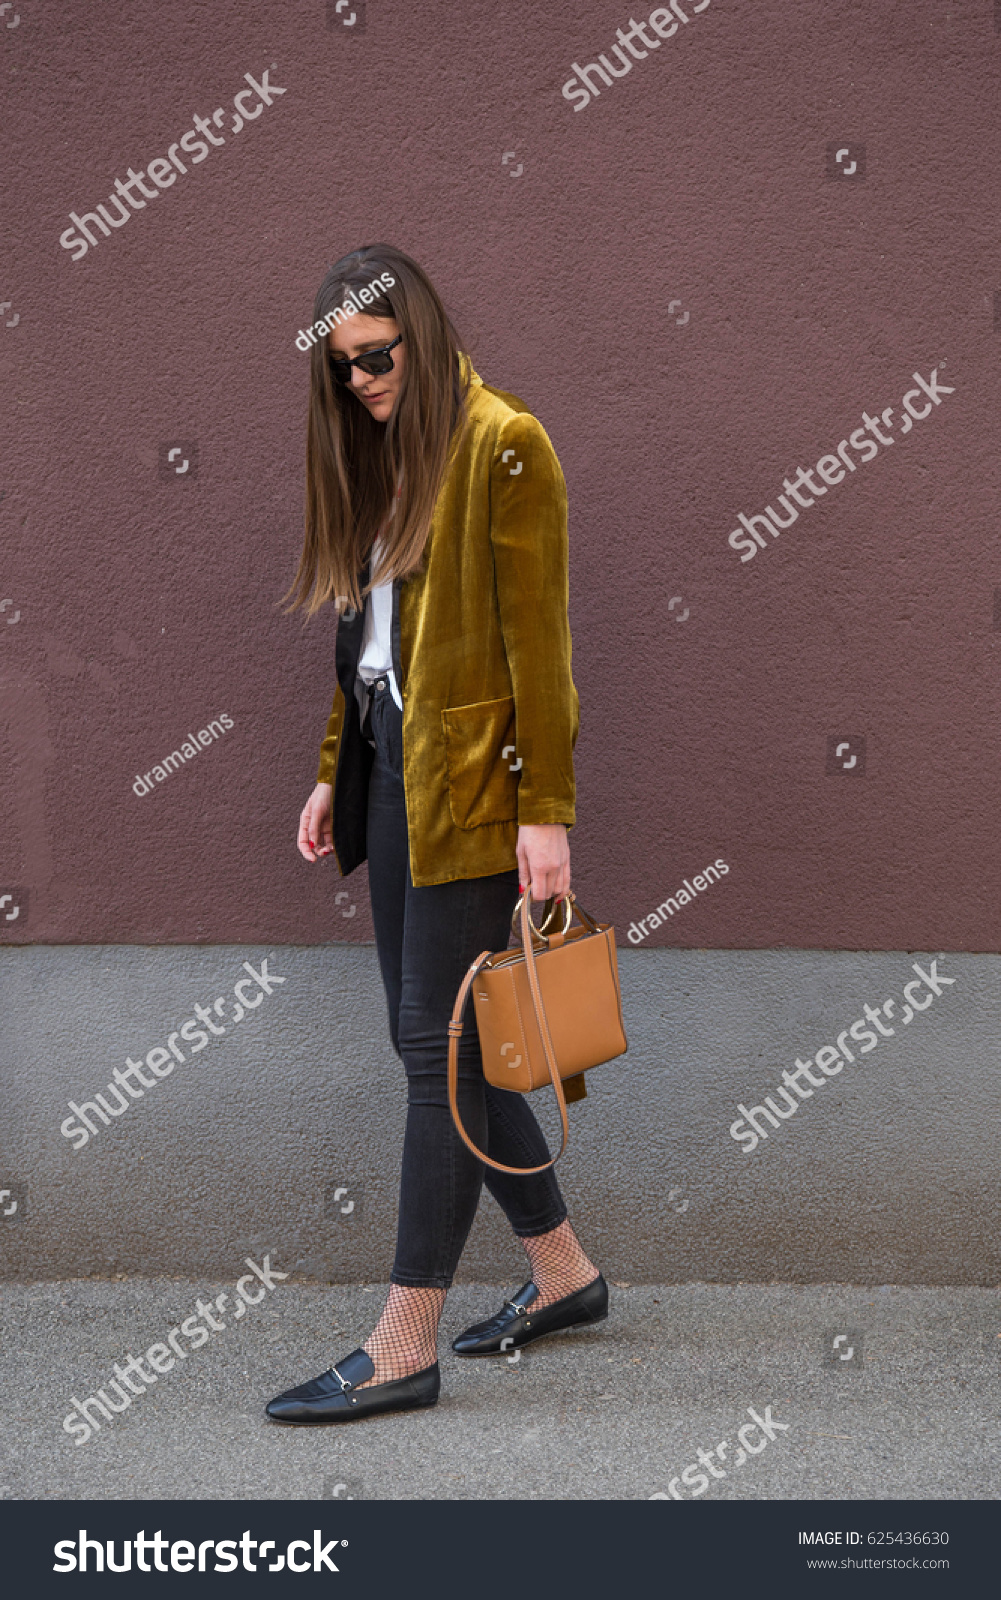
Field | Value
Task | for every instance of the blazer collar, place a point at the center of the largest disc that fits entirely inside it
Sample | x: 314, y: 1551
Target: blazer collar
x: 467, y: 369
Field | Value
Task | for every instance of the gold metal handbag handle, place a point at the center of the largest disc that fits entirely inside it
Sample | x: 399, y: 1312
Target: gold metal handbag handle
x: 571, y: 908
x: 549, y: 912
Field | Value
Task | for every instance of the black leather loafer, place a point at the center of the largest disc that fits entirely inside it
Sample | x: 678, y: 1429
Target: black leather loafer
x: 516, y: 1323
x: 332, y: 1396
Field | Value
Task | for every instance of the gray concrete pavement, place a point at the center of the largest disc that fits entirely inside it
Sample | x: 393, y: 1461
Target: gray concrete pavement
x: 886, y: 1173
x: 614, y: 1412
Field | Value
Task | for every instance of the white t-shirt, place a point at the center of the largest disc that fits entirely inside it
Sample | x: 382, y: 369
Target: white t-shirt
x: 376, y: 657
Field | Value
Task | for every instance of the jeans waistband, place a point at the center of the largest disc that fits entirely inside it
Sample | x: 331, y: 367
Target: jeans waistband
x: 382, y: 723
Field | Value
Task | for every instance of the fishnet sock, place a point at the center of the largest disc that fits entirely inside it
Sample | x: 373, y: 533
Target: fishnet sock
x: 559, y: 1264
x: 405, y: 1338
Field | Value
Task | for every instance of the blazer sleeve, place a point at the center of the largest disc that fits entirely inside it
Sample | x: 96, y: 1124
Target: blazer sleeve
x: 328, y: 748
x: 528, y: 532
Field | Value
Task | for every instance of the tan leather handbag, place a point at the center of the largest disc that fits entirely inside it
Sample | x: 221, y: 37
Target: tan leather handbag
x: 545, y: 1012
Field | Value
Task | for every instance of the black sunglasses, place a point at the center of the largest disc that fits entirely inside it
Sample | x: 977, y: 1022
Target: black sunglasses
x: 373, y: 362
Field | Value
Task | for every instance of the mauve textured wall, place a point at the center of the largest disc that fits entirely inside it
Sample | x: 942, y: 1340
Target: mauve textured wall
x: 695, y: 296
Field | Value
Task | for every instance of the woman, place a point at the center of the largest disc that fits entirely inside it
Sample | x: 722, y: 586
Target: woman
x: 436, y: 519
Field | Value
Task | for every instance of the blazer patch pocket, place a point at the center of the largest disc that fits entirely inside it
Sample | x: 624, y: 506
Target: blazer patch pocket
x: 480, y: 756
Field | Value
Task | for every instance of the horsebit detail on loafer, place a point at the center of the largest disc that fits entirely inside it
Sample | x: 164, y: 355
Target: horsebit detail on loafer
x: 522, y: 1311
x: 352, y: 1399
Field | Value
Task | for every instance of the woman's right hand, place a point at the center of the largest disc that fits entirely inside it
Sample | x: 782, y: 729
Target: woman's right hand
x: 316, y: 837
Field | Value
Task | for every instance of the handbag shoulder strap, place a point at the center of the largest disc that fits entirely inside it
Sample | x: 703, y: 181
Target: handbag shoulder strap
x: 455, y: 1031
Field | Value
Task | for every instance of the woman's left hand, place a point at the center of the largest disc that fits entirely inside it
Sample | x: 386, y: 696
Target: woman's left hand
x: 544, y: 859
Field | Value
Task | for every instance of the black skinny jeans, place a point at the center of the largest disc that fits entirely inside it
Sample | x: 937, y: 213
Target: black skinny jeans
x: 426, y: 939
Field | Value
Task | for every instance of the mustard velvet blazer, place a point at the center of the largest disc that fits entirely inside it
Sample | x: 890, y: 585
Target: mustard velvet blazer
x: 481, y: 653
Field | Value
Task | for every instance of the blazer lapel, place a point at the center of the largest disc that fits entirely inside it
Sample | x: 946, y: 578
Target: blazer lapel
x: 394, y: 634
x: 350, y: 627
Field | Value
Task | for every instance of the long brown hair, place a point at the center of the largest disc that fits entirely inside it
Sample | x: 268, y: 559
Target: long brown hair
x: 354, y: 464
